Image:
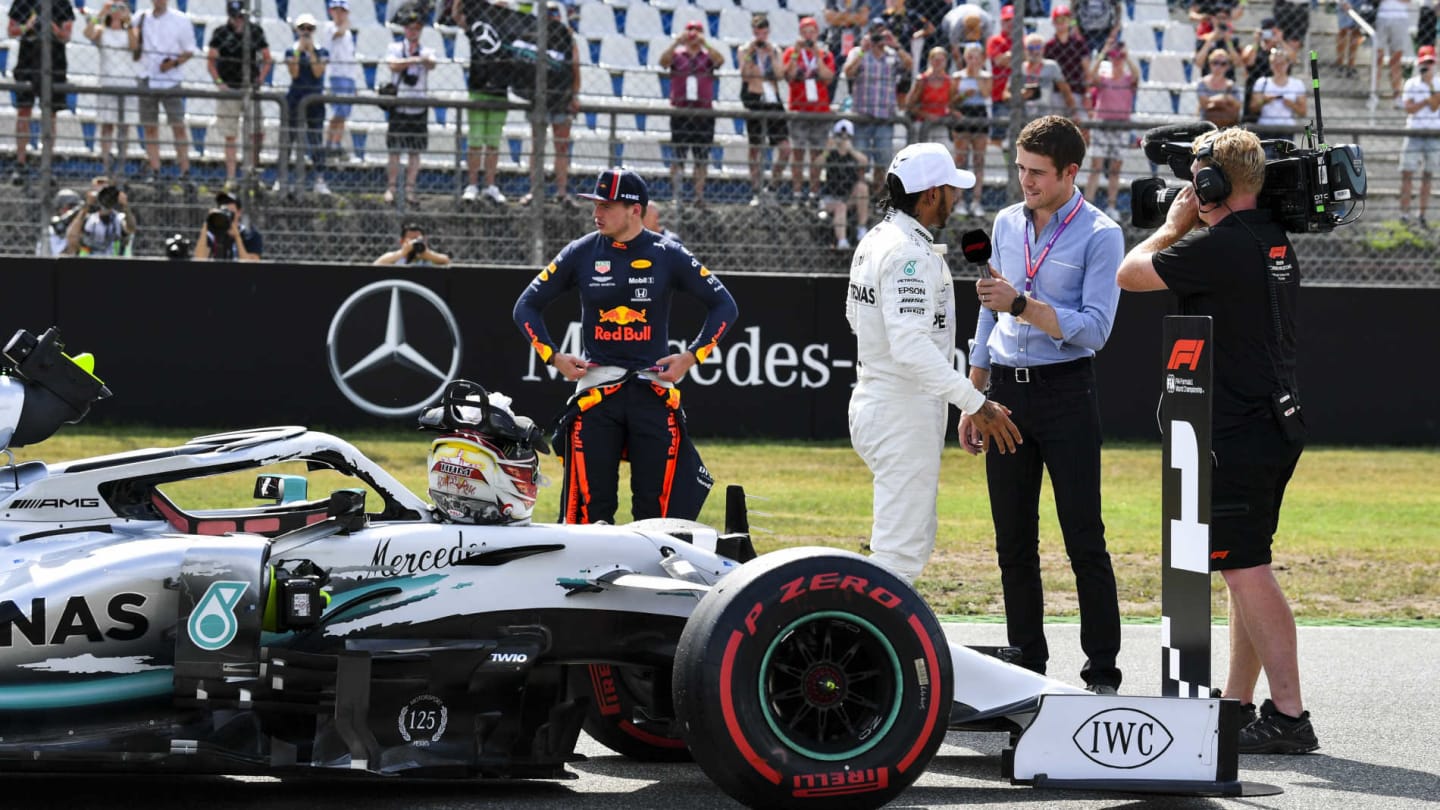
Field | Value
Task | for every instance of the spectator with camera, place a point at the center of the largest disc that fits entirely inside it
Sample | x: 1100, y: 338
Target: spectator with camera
x: 692, y: 63
x: 1227, y: 260
x: 343, y: 73
x: 227, y: 235
x: 107, y: 227
x: 845, y: 186
x: 232, y: 68
x: 760, y: 69
x: 810, y: 72
x: 1256, y: 60
x: 414, y: 250
x: 25, y: 25
x: 115, y: 40
x: 971, y: 122
x: 167, y: 42
x: 1042, y: 81
x: 306, y: 60
x: 409, y: 127
x: 845, y: 22
x: 874, y: 68
x: 1115, y: 81
x: 1218, y: 35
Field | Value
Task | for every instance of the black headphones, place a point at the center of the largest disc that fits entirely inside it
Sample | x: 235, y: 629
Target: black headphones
x: 1211, y: 184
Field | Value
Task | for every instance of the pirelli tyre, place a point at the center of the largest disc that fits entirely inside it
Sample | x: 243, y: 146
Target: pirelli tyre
x: 812, y: 678
x: 619, y: 716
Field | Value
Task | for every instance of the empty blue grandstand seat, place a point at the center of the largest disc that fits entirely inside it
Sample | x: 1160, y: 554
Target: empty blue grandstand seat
x: 380, y: 11
x: 197, y: 137
x: 357, y: 139
x: 87, y: 131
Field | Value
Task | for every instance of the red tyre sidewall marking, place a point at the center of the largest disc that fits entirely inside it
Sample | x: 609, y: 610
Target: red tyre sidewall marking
x: 932, y: 663
x: 727, y: 710
x: 647, y: 737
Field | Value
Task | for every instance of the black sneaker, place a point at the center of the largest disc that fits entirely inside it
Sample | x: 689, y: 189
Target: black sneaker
x: 1247, y: 710
x: 1275, y: 733
x: 17, y: 177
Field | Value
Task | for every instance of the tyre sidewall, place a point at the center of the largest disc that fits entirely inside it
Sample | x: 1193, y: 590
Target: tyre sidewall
x: 723, y: 706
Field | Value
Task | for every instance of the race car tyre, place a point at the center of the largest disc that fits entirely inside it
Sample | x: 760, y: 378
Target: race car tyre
x: 812, y: 678
x: 616, y: 717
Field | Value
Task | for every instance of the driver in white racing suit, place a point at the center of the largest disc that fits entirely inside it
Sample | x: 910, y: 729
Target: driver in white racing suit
x: 901, y: 306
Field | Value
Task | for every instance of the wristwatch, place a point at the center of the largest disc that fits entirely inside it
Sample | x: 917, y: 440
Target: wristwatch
x: 1018, y: 305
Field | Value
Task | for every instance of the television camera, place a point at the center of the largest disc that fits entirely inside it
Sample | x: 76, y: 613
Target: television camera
x: 1309, y: 189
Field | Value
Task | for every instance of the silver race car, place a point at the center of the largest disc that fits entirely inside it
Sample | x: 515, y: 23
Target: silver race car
x: 373, y: 630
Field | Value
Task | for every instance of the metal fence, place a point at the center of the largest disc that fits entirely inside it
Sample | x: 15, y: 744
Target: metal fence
x: 624, y: 119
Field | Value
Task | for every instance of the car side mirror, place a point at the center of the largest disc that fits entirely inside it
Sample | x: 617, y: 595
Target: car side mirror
x: 281, y: 488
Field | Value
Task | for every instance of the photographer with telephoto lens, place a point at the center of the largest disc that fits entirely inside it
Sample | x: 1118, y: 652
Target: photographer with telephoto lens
x: 1226, y: 256
x: 227, y: 235
x: 106, y: 228
x: 414, y: 250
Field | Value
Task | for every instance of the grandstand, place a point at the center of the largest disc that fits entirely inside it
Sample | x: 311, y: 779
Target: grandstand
x: 624, y: 119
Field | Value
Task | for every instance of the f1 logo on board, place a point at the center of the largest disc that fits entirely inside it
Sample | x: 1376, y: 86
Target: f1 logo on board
x: 1185, y: 353
x: 1122, y: 738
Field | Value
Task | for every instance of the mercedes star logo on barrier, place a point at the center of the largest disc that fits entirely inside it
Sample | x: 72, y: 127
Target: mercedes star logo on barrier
x: 487, y: 39
x: 393, y: 350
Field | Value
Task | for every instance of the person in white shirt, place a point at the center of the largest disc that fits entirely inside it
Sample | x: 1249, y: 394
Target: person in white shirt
x: 410, y: 63
x: 1392, y: 37
x: 1279, y: 98
x: 167, y: 42
x: 338, y: 37
x: 116, y: 39
x: 901, y: 307
x: 1420, y: 152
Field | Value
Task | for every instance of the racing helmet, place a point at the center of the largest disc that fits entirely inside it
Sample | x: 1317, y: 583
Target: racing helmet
x: 477, y: 478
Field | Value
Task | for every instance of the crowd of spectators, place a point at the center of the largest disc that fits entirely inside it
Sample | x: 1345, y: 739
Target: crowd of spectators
x: 942, y: 69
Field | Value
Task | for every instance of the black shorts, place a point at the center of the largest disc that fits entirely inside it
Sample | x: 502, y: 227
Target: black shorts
x: 408, y: 132
x: 692, y: 133
x: 1250, y: 471
x: 765, y: 130
x: 1293, y: 20
x: 26, y: 95
x: 973, y: 120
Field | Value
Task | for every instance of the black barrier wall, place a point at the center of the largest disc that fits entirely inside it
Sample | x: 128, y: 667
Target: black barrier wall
x: 229, y: 345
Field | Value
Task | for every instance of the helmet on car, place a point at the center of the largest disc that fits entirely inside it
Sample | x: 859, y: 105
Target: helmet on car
x: 475, y: 478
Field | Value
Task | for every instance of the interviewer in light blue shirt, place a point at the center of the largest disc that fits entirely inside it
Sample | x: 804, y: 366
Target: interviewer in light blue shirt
x: 1046, y: 309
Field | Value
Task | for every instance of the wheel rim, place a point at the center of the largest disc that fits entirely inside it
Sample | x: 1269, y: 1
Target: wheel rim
x: 830, y: 686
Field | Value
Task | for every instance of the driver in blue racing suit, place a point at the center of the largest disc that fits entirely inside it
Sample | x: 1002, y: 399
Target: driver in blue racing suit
x: 626, y: 404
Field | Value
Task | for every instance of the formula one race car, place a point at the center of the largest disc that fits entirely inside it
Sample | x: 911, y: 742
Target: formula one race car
x: 402, y: 638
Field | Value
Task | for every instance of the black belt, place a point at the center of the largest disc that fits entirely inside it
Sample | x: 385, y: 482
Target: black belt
x: 1038, y: 373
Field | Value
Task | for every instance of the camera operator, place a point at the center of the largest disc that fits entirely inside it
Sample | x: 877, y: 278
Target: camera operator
x: 106, y: 228
x: 414, y: 249
x: 1241, y: 270
x: 226, y: 235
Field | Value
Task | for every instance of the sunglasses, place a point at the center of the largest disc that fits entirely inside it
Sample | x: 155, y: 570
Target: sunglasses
x: 1219, y: 61
x: 1035, y: 48
x: 306, y: 28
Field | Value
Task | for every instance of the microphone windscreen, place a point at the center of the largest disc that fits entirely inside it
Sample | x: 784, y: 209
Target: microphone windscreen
x: 1155, y: 139
x: 975, y: 244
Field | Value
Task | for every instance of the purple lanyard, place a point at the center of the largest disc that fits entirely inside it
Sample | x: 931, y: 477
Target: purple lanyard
x: 1031, y: 270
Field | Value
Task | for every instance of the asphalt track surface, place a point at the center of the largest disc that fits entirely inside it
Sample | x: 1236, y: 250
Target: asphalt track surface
x: 1371, y: 692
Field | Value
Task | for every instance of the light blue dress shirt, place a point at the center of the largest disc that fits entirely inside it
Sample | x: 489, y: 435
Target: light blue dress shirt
x: 1077, y: 278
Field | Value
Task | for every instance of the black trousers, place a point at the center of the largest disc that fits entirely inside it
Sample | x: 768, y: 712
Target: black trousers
x: 633, y: 422
x: 1058, y: 415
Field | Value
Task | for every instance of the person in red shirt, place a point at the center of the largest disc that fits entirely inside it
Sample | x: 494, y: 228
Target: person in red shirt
x: 809, y: 68
x: 998, y: 48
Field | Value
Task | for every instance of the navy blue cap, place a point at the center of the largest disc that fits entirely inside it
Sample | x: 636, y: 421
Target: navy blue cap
x: 235, y: 8
x: 621, y: 185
